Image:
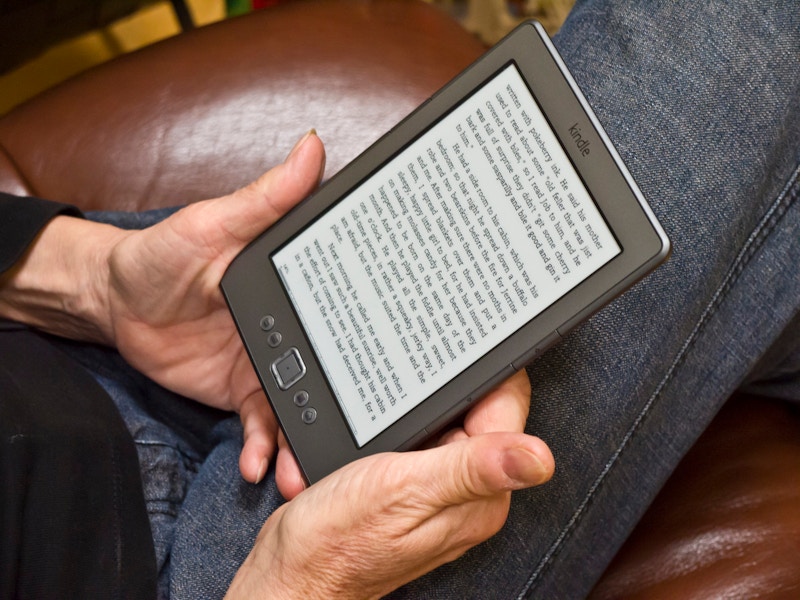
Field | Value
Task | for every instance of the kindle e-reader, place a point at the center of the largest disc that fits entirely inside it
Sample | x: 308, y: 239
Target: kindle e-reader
x: 448, y: 255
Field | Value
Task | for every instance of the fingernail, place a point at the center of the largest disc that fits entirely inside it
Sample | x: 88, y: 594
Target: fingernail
x: 262, y: 470
x: 524, y: 467
x: 301, y: 141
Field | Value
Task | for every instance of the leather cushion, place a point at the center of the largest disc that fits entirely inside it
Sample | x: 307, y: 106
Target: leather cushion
x: 204, y: 113
x: 727, y: 523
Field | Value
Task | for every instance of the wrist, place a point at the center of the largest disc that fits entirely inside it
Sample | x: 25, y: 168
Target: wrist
x: 284, y: 565
x: 261, y: 573
x: 61, y: 284
x: 272, y: 568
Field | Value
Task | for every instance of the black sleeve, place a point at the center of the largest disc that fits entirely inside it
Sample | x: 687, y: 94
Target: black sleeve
x: 21, y: 219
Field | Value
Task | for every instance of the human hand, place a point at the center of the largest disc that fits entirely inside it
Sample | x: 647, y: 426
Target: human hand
x: 165, y: 311
x: 504, y: 409
x: 167, y: 316
x: 389, y: 518
x: 154, y: 294
x: 386, y: 519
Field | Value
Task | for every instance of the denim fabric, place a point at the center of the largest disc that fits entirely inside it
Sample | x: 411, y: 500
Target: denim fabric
x: 703, y: 103
x: 172, y: 436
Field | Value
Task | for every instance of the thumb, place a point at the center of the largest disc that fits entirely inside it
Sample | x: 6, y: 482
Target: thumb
x: 254, y: 208
x: 490, y: 464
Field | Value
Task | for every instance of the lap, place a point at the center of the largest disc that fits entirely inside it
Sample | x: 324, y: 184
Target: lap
x: 704, y: 110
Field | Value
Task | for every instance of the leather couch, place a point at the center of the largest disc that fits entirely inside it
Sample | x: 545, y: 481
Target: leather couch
x: 208, y: 111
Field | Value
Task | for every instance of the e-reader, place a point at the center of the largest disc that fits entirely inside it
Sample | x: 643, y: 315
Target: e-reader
x: 448, y: 255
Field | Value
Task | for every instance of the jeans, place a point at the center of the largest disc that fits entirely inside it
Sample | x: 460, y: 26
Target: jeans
x: 703, y: 103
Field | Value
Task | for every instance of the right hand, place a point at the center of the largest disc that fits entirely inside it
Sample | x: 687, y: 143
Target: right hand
x: 387, y: 519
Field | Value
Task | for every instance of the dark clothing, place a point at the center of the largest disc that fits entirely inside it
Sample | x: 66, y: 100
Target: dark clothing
x: 21, y: 219
x: 72, y: 517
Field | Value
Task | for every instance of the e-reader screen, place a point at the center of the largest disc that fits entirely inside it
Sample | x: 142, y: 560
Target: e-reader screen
x: 464, y: 236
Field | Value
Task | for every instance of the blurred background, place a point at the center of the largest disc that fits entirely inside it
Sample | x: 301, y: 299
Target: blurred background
x: 43, y: 42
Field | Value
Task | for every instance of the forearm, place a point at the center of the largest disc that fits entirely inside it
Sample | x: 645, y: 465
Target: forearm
x: 60, y: 284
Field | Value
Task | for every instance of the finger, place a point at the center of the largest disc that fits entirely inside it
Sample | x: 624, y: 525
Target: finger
x: 453, y: 435
x: 257, y: 206
x: 484, y: 466
x: 505, y: 408
x: 260, y: 433
x: 287, y: 472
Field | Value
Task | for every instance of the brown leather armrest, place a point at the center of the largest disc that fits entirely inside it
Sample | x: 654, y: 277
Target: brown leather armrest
x: 727, y: 523
x: 206, y: 112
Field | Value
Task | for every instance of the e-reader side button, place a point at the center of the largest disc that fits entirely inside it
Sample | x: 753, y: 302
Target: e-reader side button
x: 288, y: 369
x: 526, y: 358
x: 274, y: 339
x: 309, y: 416
x: 300, y: 398
x: 415, y: 440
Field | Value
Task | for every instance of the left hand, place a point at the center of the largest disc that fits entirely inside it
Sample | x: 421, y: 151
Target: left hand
x: 166, y: 313
x: 154, y: 294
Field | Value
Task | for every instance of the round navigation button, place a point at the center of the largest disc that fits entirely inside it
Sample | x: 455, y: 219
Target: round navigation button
x: 267, y: 322
x: 309, y: 416
x: 301, y: 398
x: 274, y: 339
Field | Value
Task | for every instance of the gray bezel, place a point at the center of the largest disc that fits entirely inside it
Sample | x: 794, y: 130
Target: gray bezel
x: 252, y: 287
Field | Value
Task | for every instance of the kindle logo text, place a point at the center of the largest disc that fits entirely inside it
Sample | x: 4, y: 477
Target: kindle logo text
x: 581, y: 143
